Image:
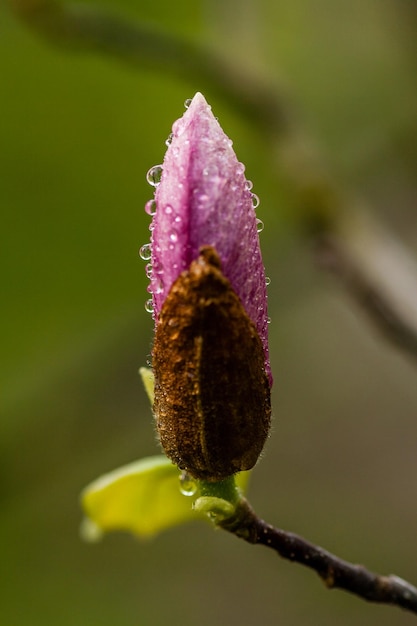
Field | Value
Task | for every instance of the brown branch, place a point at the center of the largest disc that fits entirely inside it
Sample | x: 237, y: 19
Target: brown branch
x: 85, y: 28
x: 387, y: 313
x: 390, y: 302
x: 335, y: 572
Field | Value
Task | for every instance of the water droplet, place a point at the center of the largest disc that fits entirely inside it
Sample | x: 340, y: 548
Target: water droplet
x: 259, y: 225
x: 177, y: 219
x: 150, y: 207
x: 255, y: 201
x: 188, y: 102
x: 188, y: 485
x: 249, y: 185
x: 149, y: 306
x: 145, y: 252
x: 148, y: 270
x: 154, y: 175
x: 211, y: 171
x: 268, y: 321
x: 169, y: 139
x: 173, y: 236
x: 267, y: 281
x: 168, y: 209
x: 159, y: 286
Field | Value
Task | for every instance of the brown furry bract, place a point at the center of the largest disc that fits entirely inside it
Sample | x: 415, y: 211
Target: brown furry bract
x: 212, y: 396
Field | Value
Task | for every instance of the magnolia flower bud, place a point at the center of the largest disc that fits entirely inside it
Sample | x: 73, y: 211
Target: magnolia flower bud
x: 210, y: 355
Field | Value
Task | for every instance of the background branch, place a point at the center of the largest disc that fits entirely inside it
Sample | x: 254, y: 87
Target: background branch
x: 335, y: 572
x: 378, y: 272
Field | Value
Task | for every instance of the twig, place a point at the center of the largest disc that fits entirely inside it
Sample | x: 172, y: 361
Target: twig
x: 335, y: 572
x: 392, y: 307
x: 81, y: 27
x: 390, y: 315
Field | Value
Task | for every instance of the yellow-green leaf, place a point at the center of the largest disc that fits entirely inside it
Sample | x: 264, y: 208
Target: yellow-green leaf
x: 143, y: 498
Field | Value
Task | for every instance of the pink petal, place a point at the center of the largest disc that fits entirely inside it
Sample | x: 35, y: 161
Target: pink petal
x: 203, y: 198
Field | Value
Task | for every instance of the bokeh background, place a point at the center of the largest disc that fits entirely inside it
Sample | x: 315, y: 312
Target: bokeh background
x: 77, y: 134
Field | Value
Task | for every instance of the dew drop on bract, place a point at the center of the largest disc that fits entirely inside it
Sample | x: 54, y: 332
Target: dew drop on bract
x: 154, y: 175
x: 188, y: 102
x: 267, y: 281
x: 149, y: 306
x: 259, y: 225
x: 169, y: 139
x: 249, y: 185
x: 188, y: 485
x: 148, y: 270
x: 150, y: 207
x: 145, y: 252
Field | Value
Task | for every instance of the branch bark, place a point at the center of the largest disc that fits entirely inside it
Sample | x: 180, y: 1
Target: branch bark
x: 335, y: 572
x: 379, y: 275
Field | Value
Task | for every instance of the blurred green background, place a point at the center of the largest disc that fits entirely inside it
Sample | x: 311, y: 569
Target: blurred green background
x: 78, y: 133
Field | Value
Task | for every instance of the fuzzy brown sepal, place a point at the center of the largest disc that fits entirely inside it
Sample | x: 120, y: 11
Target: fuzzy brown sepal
x: 212, y: 395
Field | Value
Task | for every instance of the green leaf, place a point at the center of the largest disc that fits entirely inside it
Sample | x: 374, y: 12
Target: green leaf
x: 148, y: 382
x: 143, y: 498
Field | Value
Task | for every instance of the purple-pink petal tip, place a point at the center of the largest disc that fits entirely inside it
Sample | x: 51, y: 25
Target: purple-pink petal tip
x: 203, y: 198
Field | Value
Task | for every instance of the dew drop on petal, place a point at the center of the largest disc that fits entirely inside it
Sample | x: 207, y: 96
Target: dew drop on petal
x: 249, y: 185
x: 169, y: 139
x: 173, y: 236
x: 267, y: 281
x: 145, y: 252
x: 148, y: 270
x: 240, y: 169
x: 158, y: 286
x: 211, y: 171
x: 259, y: 225
x: 255, y: 201
x: 188, y: 485
x: 168, y: 209
x: 154, y: 175
x: 149, y: 306
x: 188, y: 102
x: 268, y: 321
x: 150, y: 207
